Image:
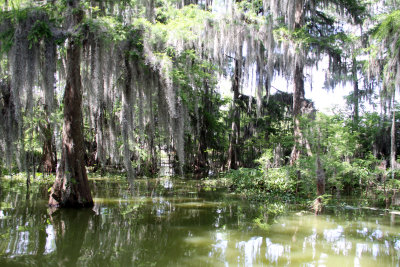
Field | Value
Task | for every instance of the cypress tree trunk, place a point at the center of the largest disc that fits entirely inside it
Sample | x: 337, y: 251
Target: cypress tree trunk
x: 298, y: 87
x: 393, y: 163
x: 233, y: 153
x: 320, y: 170
x: 298, y: 97
x: 320, y: 178
x: 71, y: 188
x: 355, y: 92
x: 152, y: 141
x: 8, y: 113
x: 49, y: 160
x: 201, y: 162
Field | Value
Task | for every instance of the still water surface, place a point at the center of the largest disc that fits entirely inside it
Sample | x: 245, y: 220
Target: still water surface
x: 162, y: 222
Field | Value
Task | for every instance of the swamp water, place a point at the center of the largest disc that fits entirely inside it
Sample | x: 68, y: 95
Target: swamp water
x: 162, y: 222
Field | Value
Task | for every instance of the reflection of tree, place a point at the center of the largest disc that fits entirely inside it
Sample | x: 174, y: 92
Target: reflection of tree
x: 70, y: 227
x: 23, y: 226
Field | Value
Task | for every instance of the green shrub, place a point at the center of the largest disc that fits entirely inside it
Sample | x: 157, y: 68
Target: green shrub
x: 274, y: 183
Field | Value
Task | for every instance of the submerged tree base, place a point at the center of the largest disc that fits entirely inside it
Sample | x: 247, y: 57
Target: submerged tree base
x: 68, y: 192
x: 72, y: 202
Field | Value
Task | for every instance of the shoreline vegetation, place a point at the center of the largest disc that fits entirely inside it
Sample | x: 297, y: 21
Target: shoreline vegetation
x: 249, y: 184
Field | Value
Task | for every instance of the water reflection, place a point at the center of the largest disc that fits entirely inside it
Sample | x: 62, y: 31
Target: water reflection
x: 397, y: 245
x: 250, y: 249
x: 69, y: 228
x: 220, y: 247
x: 275, y: 251
x: 50, y: 239
x: 173, y: 223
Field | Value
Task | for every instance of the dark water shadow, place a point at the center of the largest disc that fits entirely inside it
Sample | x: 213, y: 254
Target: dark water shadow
x: 70, y: 227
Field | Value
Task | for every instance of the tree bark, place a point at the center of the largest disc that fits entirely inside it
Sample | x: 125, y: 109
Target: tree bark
x: 8, y: 115
x: 355, y: 92
x: 152, y: 142
x: 298, y: 97
x: 393, y: 163
x: 233, y: 152
x: 320, y: 172
x: 71, y: 187
x: 298, y: 86
x: 49, y: 160
x: 320, y: 177
x: 201, y: 163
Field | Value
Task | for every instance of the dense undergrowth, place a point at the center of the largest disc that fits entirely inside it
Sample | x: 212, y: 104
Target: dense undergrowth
x: 276, y: 184
x: 281, y: 185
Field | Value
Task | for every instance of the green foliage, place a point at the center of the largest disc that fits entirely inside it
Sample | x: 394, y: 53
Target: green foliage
x: 108, y: 28
x: 177, y: 25
x: 389, y: 25
x: 6, y: 39
x: 349, y: 166
x: 14, y: 4
x: 265, y: 131
x: 39, y: 31
x: 268, y: 213
x: 384, y: 53
x: 275, y: 184
x: 300, y: 37
x: 20, y: 178
x: 266, y: 160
